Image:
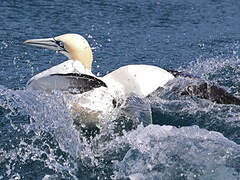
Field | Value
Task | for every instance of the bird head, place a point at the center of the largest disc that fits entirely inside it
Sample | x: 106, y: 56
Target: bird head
x: 74, y: 46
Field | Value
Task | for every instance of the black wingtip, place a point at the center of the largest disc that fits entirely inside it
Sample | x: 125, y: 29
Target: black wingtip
x: 80, y: 83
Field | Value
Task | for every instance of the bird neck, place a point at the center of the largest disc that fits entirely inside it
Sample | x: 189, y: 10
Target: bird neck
x: 84, y: 56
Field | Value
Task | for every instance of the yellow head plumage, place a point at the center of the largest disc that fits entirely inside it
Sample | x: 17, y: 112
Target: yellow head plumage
x: 74, y: 46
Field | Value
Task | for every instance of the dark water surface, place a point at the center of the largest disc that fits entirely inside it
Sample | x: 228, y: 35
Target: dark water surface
x: 190, y: 138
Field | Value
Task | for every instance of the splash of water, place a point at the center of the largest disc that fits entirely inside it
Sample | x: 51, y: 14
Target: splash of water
x: 42, y: 134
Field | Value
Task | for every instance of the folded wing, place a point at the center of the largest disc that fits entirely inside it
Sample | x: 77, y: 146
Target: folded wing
x: 73, y: 83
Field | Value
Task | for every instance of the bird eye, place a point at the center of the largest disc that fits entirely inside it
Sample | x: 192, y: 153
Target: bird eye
x: 60, y: 44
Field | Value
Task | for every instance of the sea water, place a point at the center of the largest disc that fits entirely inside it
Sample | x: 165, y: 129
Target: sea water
x: 189, y: 138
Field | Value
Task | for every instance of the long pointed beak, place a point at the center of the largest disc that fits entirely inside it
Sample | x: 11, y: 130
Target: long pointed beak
x: 48, y: 43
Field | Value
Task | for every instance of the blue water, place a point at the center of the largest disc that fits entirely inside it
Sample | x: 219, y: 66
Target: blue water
x: 190, y: 138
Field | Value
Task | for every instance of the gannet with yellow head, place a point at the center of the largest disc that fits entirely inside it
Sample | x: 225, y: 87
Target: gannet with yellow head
x: 140, y: 80
x: 75, y: 77
x: 99, y: 95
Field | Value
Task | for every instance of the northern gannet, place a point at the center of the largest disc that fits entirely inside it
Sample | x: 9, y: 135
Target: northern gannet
x: 138, y: 79
x: 75, y: 77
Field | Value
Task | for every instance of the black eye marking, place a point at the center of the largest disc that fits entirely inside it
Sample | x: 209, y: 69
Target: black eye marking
x: 60, y: 44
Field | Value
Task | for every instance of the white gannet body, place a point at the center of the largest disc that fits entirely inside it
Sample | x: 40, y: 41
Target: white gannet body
x: 140, y: 80
x: 95, y: 94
